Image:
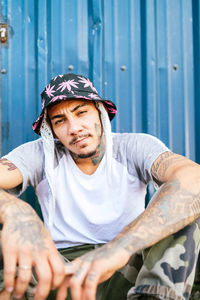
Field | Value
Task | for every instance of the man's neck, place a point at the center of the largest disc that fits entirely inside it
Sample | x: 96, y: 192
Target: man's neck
x: 87, y: 167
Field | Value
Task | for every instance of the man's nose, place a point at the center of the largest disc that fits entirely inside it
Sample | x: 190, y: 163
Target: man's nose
x: 74, y: 126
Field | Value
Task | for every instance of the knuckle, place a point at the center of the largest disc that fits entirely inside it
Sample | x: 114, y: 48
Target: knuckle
x: 23, y: 280
x: 9, y: 272
x: 60, y: 274
x: 44, y: 274
x: 9, y: 249
x: 26, y: 250
x: 57, y: 280
x: 42, y: 294
x: 89, y: 284
x: 60, y: 271
x: 8, y: 283
x: 96, y: 265
x: 45, y: 280
x: 43, y: 290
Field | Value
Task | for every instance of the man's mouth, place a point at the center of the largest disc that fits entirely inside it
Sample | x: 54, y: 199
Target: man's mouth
x: 79, y: 140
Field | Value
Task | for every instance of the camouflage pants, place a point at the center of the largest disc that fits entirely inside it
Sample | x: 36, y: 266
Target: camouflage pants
x: 164, y: 271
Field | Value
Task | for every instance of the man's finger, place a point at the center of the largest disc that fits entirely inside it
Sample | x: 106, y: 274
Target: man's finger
x: 22, y: 281
x: 77, y: 280
x: 62, y: 290
x: 58, y: 269
x: 23, y: 275
x: 10, y: 262
x: 72, y: 267
x: 90, y: 285
x: 44, y: 276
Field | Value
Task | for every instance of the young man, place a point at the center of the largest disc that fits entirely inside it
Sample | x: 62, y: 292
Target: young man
x: 91, y: 186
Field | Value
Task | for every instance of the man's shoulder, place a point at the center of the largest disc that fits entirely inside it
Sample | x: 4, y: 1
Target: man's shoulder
x: 29, y: 148
x: 131, y: 142
x: 129, y: 136
x: 125, y: 142
x: 35, y: 144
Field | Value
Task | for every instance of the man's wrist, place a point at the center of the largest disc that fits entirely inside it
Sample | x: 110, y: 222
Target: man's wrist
x: 10, y: 204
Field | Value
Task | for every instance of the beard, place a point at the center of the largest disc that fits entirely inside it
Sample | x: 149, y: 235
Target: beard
x: 89, y: 154
x: 86, y: 155
x: 94, y: 154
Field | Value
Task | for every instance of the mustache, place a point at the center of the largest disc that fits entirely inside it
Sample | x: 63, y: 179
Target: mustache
x: 76, y: 138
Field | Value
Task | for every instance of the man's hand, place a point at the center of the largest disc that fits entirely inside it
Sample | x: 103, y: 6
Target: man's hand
x: 26, y: 243
x: 85, y: 273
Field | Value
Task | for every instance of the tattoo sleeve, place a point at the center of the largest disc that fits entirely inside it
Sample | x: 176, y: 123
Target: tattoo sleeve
x: 172, y: 208
x: 163, y: 163
x: 21, y: 221
x: 10, y: 165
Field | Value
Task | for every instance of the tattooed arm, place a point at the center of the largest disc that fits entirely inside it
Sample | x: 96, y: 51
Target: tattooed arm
x: 10, y: 176
x: 25, y: 241
x: 175, y: 205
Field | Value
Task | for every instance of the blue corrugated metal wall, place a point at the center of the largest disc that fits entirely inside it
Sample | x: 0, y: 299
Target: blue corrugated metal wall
x: 143, y: 54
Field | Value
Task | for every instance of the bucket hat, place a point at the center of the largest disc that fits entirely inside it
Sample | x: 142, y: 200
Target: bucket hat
x: 70, y: 86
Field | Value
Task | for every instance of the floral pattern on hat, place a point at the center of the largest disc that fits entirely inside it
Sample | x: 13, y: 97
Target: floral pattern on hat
x: 87, y: 83
x: 67, y: 84
x: 49, y: 90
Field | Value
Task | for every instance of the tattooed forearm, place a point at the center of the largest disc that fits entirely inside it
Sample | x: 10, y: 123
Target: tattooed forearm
x: 21, y: 221
x: 171, y: 209
x: 195, y: 206
x: 5, y: 199
x: 10, y: 165
x: 26, y: 226
x: 164, y: 161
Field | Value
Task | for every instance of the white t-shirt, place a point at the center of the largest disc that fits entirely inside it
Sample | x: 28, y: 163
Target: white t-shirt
x: 91, y: 209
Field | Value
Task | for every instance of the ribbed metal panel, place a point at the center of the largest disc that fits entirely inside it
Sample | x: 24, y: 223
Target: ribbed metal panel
x: 19, y: 88
x: 143, y: 54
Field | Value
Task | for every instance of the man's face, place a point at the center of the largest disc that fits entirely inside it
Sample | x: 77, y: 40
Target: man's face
x: 77, y: 125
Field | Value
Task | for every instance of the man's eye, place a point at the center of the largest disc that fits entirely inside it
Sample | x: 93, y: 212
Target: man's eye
x: 82, y: 112
x: 58, y: 122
